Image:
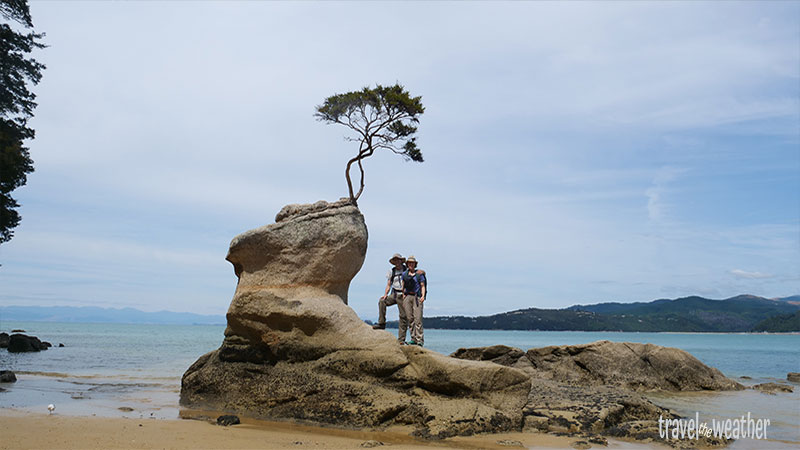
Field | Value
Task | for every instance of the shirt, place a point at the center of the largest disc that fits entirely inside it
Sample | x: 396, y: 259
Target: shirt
x: 396, y: 276
x: 412, y: 285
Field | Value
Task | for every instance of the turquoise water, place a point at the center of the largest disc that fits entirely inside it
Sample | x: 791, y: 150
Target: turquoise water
x: 106, y: 366
x: 754, y: 355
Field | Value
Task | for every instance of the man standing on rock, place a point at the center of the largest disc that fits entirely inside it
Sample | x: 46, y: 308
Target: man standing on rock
x: 393, y: 295
x: 414, y: 289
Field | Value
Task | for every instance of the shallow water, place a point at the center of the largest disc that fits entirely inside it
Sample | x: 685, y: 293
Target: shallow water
x: 104, y: 367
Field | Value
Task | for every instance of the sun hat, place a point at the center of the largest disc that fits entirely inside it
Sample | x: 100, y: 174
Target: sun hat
x: 411, y: 259
x: 396, y: 256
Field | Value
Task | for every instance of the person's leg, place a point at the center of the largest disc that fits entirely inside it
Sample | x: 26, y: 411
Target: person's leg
x: 408, y: 305
x: 415, y: 320
x: 413, y: 316
x: 402, y: 319
x: 418, y: 330
x: 382, y: 313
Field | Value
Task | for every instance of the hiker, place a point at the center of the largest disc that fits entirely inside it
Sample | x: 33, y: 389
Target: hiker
x: 393, y: 295
x: 414, y: 289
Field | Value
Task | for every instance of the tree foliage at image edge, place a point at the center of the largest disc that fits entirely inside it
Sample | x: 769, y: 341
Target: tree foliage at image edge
x: 16, y: 106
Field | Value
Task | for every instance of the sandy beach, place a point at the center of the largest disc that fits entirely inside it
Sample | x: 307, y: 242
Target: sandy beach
x: 24, y: 430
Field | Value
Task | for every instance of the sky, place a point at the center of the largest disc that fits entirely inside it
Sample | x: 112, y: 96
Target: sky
x: 575, y: 152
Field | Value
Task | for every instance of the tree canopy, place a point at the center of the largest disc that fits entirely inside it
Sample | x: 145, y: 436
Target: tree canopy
x: 382, y: 118
x: 17, y: 69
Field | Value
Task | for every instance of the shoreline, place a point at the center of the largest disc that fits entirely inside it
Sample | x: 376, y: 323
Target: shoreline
x: 27, y: 430
x: 393, y: 325
x: 781, y: 333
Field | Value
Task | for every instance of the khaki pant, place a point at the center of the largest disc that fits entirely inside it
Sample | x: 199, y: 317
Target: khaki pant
x: 394, y: 298
x: 413, y: 309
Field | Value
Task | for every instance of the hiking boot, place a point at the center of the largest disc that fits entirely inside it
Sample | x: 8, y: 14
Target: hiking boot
x: 411, y: 343
x: 379, y: 326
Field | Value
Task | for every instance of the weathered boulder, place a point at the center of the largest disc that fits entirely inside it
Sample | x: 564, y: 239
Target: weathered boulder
x: 293, y: 349
x: 4, y: 338
x: 7, y: 376
x: 638, y: 367
x: 794, y: 377
x: 20, y: 343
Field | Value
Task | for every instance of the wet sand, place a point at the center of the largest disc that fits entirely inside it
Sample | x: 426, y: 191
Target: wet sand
x: 26, y: 430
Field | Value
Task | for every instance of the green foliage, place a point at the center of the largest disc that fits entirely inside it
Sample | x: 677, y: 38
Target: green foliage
x: 382, y: 118
x: 782, y: 323
x: 17, y: 103
x: 691, y: 314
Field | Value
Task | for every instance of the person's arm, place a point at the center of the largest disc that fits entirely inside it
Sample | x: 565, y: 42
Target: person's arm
x: 389, y: 278
x: 388, y: 286
x: 424, y: 284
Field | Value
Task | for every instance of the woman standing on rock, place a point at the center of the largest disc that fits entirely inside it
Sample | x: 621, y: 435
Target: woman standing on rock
x: 414, y: 287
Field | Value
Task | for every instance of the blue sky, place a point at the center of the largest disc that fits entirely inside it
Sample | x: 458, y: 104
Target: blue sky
x: 575, y: 152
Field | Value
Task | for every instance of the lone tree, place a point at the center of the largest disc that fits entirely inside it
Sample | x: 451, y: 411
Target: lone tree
x: 383, y: 117
x: 16, y: 106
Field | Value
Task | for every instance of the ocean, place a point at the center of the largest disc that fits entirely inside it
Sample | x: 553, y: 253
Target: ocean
x: 123, y: 370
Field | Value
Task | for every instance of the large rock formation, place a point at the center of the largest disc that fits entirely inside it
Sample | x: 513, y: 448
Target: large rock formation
x: 293, y: 349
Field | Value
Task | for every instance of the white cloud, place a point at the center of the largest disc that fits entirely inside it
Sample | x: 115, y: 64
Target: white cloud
x: 738, y: 273
x: 656, y: 204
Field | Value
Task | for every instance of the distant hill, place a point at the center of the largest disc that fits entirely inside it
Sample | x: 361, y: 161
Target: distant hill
x: 780, y: 324
x: 795, y: 299
x: 91, y: 314
x: 689, y: 314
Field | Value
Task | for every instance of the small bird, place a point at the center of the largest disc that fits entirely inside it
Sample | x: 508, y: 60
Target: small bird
x: 51, y: 407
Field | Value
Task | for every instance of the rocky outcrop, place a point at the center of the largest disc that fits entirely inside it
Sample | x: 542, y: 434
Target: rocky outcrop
x: 794, y: 377
x: 4, y: 338
x: 773, y: 388
x: 592, y: 389
x: 293, y: 349
x: 20, y: 343
x: 637, y: 367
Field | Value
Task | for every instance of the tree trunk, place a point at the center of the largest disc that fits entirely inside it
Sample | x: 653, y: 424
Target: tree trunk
x: 361, y: 168
x: 353, y: 198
